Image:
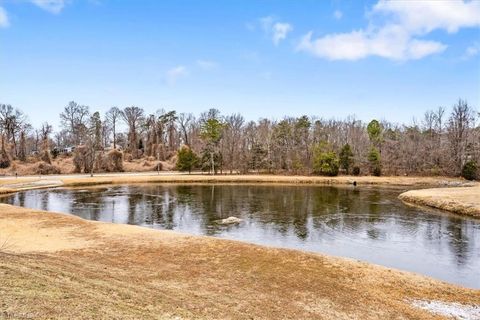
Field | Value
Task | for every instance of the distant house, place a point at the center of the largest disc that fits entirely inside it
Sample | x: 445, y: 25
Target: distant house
x: 68, y: 150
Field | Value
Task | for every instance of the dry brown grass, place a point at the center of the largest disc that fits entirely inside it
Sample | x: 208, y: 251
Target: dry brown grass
x: 66, y: 166
x: 98, y: 270
x: 463, y: 200
x: 411, y: 182
x: 146, y: 165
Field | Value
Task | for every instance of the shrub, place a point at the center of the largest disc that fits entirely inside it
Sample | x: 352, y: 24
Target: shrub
x: 377, y: 171
x: 115, y: 158
x: 158, y: 167
x: 55, y: 153
x: 83, y: 159
x: 356, y: 171
x: 326, y: 163
x: 469, y: 170
x: 46, y: 168
x: 45, y: 157
x: 128, y: 157
x: 4, y: 159
x: 79, y: 158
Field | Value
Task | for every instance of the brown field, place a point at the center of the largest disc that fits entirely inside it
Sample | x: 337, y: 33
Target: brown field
x: 63, y: 267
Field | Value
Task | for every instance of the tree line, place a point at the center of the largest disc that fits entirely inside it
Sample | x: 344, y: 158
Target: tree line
x: 441, y: 143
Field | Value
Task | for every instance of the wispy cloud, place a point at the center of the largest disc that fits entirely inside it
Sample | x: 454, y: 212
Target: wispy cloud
x: 176, y: 73
x: 397, y: 37
x: 207, y: 64
x: 338, y: 14
x: 472, y: 51
x: 278, y: 31
x: 3, y: 18
x: 52, y: 6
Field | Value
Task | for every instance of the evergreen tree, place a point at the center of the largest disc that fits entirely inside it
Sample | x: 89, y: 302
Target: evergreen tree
x: 186, y: 159
x: 374, y: 160
x: 374, y: 130
x: 325, y: 163
x: 211, y: 132
x: 469, y: 170
x: 346, y: 158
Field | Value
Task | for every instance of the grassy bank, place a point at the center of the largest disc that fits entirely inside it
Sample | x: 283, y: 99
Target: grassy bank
x: 60, y: 266
x: 85, y: 180
x: 465, y: 201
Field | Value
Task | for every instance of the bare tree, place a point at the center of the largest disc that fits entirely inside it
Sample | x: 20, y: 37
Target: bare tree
x: 74, y: 119
x: 184, y: 122
x: 112, y: 117
x: 133, y: 117
x: 231, y: 141
x: 459, y: 125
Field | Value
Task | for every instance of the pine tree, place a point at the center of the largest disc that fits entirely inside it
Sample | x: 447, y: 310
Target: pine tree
x: 186, y: 159
x: 346, y: 158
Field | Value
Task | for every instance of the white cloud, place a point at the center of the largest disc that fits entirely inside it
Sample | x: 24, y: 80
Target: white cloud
x: 390, y: 43
x: 338, y: 14
x: 280, y: 31
x: 3, y: 18
x: 396, y: 37
x: 52, y: 6
x: 207, y: 64
x: 277, y: 30
x: 176, y: 73
x: 427, y: 15
x: 472, y: 51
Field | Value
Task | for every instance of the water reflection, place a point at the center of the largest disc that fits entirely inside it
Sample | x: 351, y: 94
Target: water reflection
x: 362, y: 223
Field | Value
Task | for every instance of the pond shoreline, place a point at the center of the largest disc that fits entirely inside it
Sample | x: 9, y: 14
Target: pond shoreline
x: 462, y: 201
x: 72, y: 266
x: 11, y: 184
x: 449, y: 194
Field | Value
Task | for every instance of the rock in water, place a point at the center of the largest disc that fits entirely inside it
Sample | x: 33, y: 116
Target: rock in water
x: 230, y: 220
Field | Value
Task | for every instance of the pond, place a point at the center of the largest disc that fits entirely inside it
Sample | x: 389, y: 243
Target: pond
x: 368, y: 224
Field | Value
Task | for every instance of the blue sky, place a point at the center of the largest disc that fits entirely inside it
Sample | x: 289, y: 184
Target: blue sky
x: 374, y: 59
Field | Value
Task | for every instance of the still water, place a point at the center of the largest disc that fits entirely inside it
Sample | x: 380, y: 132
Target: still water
x: 362, y: 223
